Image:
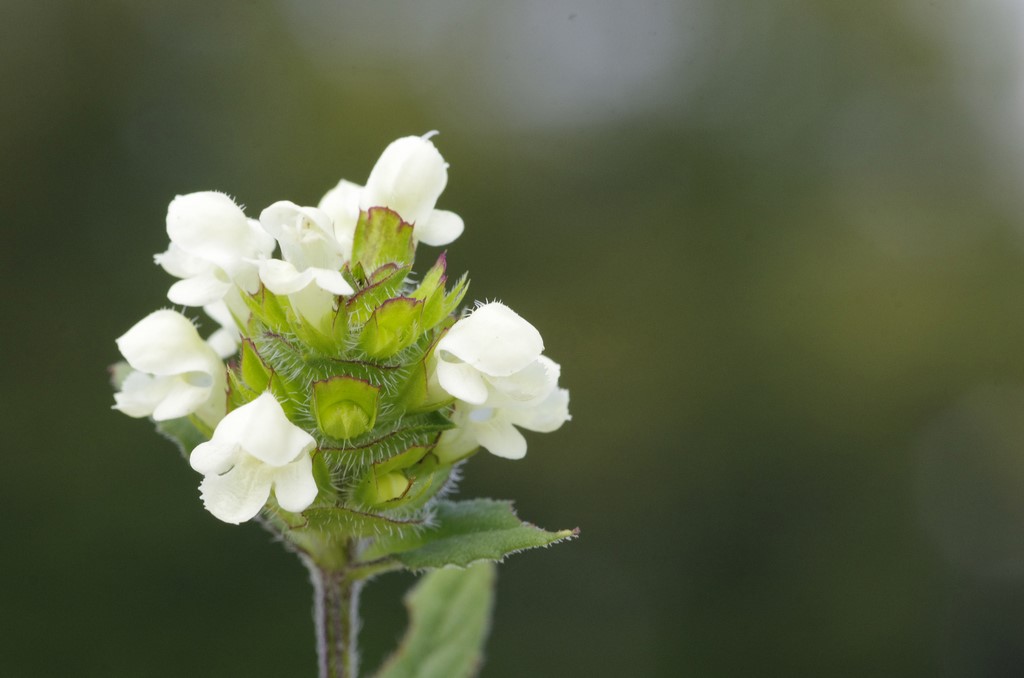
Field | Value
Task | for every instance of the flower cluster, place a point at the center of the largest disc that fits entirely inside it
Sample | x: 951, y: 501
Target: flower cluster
x: 350, y: 387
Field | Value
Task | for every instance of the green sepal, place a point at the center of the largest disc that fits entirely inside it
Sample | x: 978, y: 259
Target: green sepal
x: 438, y: 303
x: 420, y: 429
x: 393, y: 326
x: 431, y: 291
x: 381, y: 238
x: 453, y: 298
x: 118, y: 372
x: 463, y: 533
x: 383, y: 489
x: 340, y: 324
x: 321, y: 339
x: 449, y: 620
x: 238, y: 392
x: 427, y: 478
x: 411, y: 456
x: 266, y: 307
x: 386, y: 283
x: 322, y: 476
x: 254, y: 372
x: 345, y: 407
x: 415, y: 395
x: 384, y: 482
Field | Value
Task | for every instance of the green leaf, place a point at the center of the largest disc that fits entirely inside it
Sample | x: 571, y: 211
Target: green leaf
x: 465, y: 532
x: 449, y: 619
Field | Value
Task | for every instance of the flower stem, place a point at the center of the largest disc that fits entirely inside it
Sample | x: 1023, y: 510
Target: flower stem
x: 336, y: 615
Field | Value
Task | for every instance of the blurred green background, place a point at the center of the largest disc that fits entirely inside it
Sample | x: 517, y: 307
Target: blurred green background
x: 778, y: 249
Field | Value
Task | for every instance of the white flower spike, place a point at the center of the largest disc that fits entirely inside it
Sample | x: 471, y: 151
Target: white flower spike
x: 213, y: 247
x: 177, y: 373
x: 255, y: 449
x: 409, y: 178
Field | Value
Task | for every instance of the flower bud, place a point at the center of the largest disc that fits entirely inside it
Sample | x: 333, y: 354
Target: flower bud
x: 213, y: 246
x: 409, y: 178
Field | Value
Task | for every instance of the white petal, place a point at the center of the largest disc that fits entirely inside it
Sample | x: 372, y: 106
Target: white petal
x: 239, y: 494
x: 306, y: 235
x: 263, y: 431
x: 259, y: 243
x: 220, y: 312
x: 187, y: 394
x: 224, y: 342
x: 281, y: 277
x: 530, y: 385
x: 166, y: 343
x: 210, y: 226
x: 331, y: 281
x: 341, y: 204
x: 409, y: 177
x: 316, y: 306
x: 440, y: 228
x: 140, y: 394
x: 494, y: 339
x: 199, y: 290
x: 213, y: 457
x: 501, y: 438
x: 462, y: 381
x: 544, y: 417
x: 456, y: 443
x: 294, y: 485
x: 180, y: 263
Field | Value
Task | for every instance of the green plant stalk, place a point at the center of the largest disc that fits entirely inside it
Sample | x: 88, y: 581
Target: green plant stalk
x: 336, y: 618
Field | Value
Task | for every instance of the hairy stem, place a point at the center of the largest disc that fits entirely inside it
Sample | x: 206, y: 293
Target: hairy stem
x: 336, y: 615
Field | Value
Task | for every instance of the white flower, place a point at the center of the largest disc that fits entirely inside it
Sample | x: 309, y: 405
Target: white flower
x: 341, y: 204
x: 225, y: 340
x: 255, y: 449
x: 491, y: 362
x: 492, y: 357
x: 177, y: 373
x: 213, y: 247
x: 494, y: 428
x: 409, y: 178
x: 309, y: 273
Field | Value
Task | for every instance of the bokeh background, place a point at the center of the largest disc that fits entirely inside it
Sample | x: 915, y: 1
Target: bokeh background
x: 778, y: 249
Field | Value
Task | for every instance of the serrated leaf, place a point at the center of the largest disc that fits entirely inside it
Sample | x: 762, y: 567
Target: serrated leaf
x: 464, y: 533
x: 449, y: 619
